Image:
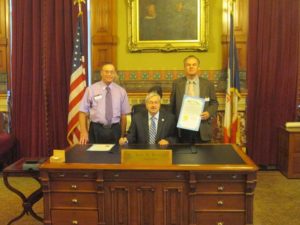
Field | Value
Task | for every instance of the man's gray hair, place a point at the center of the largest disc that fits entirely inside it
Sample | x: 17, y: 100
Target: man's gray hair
x: 152, y: 94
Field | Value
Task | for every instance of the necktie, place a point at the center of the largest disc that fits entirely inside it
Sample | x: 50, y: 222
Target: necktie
x: 152, y: 131
x: 108, y: 106
x: 191, y: 88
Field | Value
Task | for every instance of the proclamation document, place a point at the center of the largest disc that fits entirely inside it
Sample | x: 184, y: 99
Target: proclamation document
x: 189, y: 117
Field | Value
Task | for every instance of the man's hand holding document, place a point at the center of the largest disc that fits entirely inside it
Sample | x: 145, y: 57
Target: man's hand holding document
x: 189, y: 117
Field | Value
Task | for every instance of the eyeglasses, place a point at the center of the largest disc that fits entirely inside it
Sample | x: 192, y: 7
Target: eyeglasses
x: 108, y: 71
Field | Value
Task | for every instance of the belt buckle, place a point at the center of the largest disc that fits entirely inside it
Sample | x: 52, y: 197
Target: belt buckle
x: 107, y: 126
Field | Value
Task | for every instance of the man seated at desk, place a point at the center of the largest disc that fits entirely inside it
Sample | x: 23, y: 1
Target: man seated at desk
x: 153, y: 126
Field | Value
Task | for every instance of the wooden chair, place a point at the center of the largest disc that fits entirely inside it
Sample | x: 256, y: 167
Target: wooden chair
x: 8, y: 146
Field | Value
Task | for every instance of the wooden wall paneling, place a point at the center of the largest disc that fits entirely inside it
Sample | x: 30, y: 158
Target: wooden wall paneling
x: 3, y: 36
x: 3, y: 59
x: 101, y: 53
x: 103, y: 28
x: 4, y: 62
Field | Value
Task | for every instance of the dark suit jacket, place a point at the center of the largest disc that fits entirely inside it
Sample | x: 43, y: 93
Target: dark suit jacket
x: 139, y: 128
x: 207, y: 90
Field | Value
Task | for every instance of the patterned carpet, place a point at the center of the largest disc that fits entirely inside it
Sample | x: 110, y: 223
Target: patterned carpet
x: 277, y: 200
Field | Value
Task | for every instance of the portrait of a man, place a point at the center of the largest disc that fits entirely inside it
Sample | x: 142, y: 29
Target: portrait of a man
x: 168, y: 20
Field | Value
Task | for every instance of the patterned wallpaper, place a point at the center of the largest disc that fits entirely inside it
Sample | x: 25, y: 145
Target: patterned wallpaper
x: 142, y: 80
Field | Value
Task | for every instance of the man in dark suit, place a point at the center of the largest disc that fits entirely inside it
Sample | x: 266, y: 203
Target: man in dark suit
x: 153, y: 126
x: 193, y: 85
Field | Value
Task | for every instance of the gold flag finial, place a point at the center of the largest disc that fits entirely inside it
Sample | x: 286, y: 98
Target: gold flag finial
x: 79, y: 2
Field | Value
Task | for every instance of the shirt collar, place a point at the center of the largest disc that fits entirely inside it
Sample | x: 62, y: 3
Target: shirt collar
x: 196, y: 80
x: 156, y: 116
x: 103, y: 85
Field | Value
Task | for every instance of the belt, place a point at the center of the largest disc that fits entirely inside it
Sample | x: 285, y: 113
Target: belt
x: 108, y: 126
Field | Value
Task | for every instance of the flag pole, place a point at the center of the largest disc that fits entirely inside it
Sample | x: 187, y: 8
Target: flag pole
x: 79, y: 15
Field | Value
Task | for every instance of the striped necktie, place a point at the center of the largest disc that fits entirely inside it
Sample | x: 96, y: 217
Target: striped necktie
x: 152, y: 131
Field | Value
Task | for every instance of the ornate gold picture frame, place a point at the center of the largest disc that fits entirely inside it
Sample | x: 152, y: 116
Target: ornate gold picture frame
x: 167, y: 25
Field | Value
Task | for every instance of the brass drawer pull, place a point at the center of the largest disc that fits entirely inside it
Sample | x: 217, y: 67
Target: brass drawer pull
x: 234, y: 176
x: 220, y: 223
x: 221, y: 188
x: 116, y: 175
x: 74, y: 200
x: 74, y: 222
x: 74, y: 186
x: 220, y: 203
x: 61, y: 175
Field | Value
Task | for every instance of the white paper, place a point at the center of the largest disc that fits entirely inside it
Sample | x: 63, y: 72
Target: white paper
x: 100, y: 147
x: 189, y: 117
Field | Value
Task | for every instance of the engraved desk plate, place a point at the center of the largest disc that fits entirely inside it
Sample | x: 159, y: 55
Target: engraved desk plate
x: 146, y: 157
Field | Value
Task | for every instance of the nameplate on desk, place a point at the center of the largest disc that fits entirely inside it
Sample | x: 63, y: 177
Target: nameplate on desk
x: 146, y: 157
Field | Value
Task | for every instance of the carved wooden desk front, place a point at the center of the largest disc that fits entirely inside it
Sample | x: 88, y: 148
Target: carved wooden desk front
x: 207, y: 184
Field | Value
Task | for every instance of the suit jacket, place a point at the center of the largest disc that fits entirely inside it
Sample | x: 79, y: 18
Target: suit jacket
x: 139, y: 128
x: 207, y: 90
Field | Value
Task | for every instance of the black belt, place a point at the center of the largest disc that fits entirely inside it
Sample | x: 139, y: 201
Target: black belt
x: 107, y: 126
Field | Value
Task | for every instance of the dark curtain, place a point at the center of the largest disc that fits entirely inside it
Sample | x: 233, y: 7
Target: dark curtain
x: 273, y: 62
x: 42, y: 45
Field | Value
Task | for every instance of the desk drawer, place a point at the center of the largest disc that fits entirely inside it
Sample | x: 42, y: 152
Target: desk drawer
x: 74, y: 200
x: 216, y: 176
x: 69, y: 217
x: 220, y: 218
x: 219, y: 202
x: 144, y: 175
x: 76, y: 186
x: 220, y: 187
x: 73, y: 175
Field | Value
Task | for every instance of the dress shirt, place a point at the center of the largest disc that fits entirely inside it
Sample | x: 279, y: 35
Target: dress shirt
x: 196, y: 86
x: 93, y: 102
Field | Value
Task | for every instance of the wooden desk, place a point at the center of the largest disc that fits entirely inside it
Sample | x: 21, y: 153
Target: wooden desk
x: 288, y: 161
x: 16, y: 170
x: 212, y: 191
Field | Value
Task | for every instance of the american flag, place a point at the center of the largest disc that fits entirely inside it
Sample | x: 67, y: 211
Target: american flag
x: 231, y: 119
x: 77, y: 86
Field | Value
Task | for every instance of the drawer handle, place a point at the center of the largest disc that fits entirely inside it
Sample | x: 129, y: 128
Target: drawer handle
x: 220, y: 203
x: 74, y: 222
x: 178, y: 176
x: 116, y: 175
x: 221, y: 188
x: 74, y: 200
x: 74, y: 186
x: 86, y: 176
x: 234, y: 176
x: 220, y: 223
x: 61, y: 175
x: 209, y: 176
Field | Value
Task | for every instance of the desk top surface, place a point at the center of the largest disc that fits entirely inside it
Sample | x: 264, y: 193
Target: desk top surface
x: 182, y: 154
x: 185, y: 157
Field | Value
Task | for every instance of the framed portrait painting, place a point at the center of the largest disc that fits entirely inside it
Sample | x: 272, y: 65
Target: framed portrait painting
x: 167, y: 25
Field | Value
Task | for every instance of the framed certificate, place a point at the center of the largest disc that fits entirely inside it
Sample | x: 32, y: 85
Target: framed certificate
x: 189, y: 117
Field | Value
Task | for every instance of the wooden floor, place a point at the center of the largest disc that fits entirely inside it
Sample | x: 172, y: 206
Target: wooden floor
x: 277, y: 200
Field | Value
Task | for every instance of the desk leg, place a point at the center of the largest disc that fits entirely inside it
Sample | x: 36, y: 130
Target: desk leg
x: 27, y: 202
